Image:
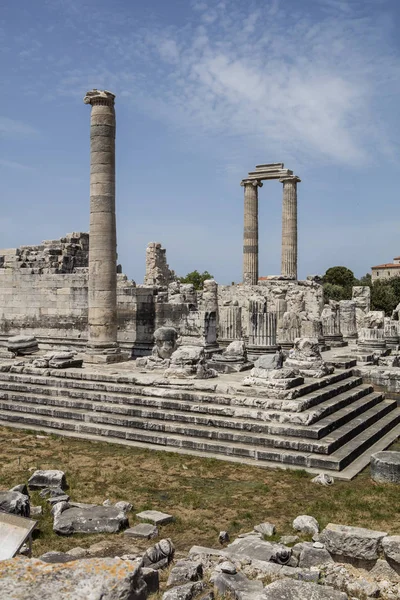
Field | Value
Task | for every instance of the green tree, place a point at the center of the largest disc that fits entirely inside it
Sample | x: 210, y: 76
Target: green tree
x: 365, y: 280
x: 383, y: 296
x: 339, y: 276
x: 196, y: 278
x: 335, y: 292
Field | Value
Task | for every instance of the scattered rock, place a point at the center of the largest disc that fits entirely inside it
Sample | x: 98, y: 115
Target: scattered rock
x: 155, y: 516
x: 142, y: 530
x: 160, y: 555
x: 78, y: 552
x: 223, y: 537
x: 184, y: 592
x: 152, y: 580
x: 36, y: 511
x: 124, y: 506
x: 266, y: 529
x: 312, y: 557
x: 184, y: 571
x: 98, y: 519
x: 15, y: 503
x: 289, y: 539
x: 94, y: 578
x: 238, y: 586
x: 254, y: 548
x: 306, y: 524
x: 227, y: 567
x: 323, y: 479
x: 47, y: 479
x: 22, y: 488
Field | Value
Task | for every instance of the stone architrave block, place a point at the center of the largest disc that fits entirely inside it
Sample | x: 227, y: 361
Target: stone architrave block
x: 47, y: 479
x: 352, y: 542
x: 155, y: 516
x: 142, y: 530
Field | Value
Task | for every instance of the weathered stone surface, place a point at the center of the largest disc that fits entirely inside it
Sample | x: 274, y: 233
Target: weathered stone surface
x: 223, y: 537
x: 289, y: 539
x: 151, y: 578
x: 311, y: 556
x: 184, y: 571
x: 305, y: 357
x: 270, y: 362
x: 391, y: 548
x: 47, y: 479
x: 287, y: 589
x: 306, y: 524
x: 266, y: 528
x: 352, y: 542
x: 56, y: 557
x: 98, y: 519
x: 22, y: 488
x: 374, y: 319
x: 142, y: 530
x: 22, y: 344
x: 385, y: 467
x: 238, y: 586
x: 184, y: 592
x: 254, y: 548
x: 158, y: 272
x: 160, y: 555
x: 15, y: 503
x: 155, y: 516
x: 94, y: 578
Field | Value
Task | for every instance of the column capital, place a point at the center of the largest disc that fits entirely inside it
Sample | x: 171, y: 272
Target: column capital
x: 290, y: 178
x: 99, y: 97
x: 253, y: 182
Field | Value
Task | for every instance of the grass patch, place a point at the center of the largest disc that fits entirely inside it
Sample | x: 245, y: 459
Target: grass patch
x: 205, y: 495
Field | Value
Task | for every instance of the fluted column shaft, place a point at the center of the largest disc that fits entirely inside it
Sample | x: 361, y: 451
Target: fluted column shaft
x: 103, y: 238
x: 250, y: 232
x: 289, y: 227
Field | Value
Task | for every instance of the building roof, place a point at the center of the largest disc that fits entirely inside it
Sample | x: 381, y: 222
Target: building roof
x: 387, y: 266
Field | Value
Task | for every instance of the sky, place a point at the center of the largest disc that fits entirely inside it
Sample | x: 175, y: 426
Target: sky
x: 205, y: 90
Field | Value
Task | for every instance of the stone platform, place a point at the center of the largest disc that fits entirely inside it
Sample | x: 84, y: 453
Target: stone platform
x: 331, y: 424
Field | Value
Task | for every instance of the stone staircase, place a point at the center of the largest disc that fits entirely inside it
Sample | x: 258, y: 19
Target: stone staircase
x: 332, y: 424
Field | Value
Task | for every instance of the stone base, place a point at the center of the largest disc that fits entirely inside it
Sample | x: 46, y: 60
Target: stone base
x: 102, y: 357
x: 253, y: 352
x: 335, y: 341
x: 229, y: 367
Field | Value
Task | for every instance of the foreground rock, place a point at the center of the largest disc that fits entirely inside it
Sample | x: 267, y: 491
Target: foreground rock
x: 15, y: 503
x: 96, y: 519
x: 306, y: 524
x: 385, y: 467
x: 352, y: 542
x: 51, y: 478
x: 94, y: 579
x: 155, y: 516
x: 160, y: 555
x: 287, y: 589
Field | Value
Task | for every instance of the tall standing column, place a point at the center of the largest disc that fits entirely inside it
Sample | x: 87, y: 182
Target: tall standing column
x: 102, y: 342
x: 250, y: 231
x: 289, y: 227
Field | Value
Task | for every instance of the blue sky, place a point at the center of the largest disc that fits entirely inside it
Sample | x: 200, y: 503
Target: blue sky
x: 205, y: 91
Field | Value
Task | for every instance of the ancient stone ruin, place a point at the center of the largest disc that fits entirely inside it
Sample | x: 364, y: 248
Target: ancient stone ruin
x: 287, y: 378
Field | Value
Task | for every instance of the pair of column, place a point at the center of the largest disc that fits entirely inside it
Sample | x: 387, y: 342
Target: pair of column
x: 289, y: 229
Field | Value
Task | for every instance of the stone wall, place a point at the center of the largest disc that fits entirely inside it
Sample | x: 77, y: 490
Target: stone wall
x: 51, y: 256
x: 158, y: 272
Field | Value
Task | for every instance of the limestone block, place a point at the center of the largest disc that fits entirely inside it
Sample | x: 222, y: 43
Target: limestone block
x: 97, y: 578
x: 49, y: 478
x: 96, y: 519
x: 15, y: 503
x: 306, y: 524
x: 374, y: 319
x: 352, y: 542
x: 155, y: 516
x: 391, y: 548
x: 289, y: 589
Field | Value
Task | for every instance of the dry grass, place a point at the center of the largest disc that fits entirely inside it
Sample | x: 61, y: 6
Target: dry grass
x: 204, y: 495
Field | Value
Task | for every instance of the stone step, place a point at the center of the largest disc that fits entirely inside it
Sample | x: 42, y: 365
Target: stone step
x: 240, y: 417
x: 212, y: 429
x: 333, y: 462
x: 176, y: 399
x: 191, y: 390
